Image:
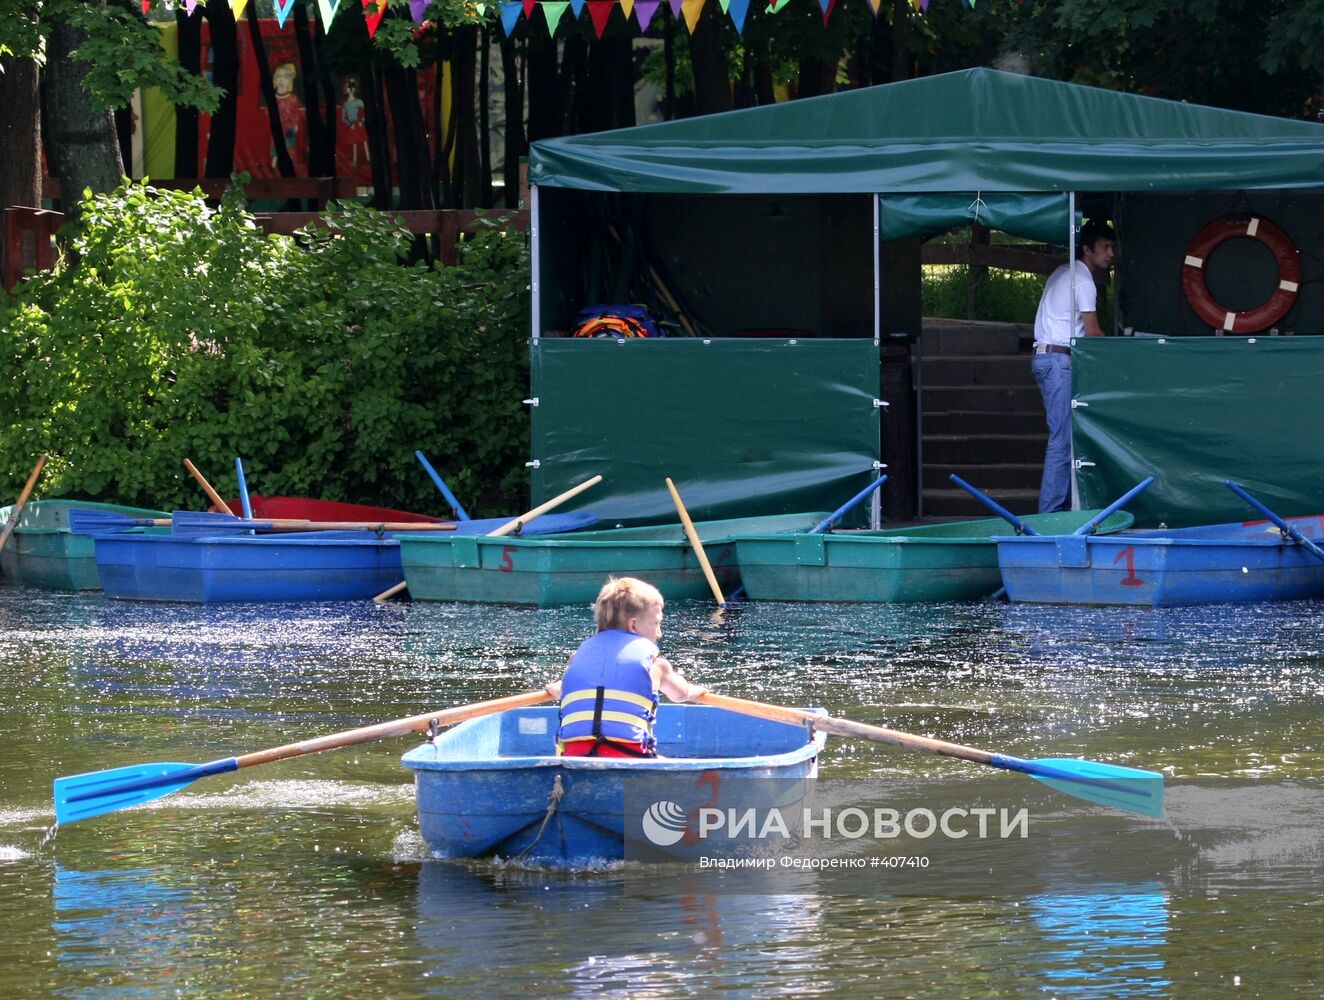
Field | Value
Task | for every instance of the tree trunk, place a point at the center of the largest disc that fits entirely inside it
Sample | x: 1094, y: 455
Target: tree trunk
x: 283, y: 162
x: 900, y: 40
x: 484, y: 118
x: 514, y: 137
x: 379, y: 140
x: 611, y: 70
x: 712, y: 88
x: 225, y: 74
x: 20, y: 137
x: 544, y: 97
x: 186, y: 119
x: 467, y: 182
x: 82, y: 145
x: 319, y: 121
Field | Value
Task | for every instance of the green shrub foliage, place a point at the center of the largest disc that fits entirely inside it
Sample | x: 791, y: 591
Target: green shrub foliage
x: 172, y: 330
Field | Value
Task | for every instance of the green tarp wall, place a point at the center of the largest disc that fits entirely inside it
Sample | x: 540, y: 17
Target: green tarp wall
x: 741, y: 426
x: 1194, y: 411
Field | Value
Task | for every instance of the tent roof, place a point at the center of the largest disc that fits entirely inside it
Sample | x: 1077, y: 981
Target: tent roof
x: 973, y: 130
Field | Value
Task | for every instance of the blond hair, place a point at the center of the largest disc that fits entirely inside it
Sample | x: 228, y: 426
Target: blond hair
x: 622, y: 599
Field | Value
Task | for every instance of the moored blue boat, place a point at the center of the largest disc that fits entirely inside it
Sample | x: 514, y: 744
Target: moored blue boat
x: 494, y: 787
x: 1209, y: 564
x: 201, y: 568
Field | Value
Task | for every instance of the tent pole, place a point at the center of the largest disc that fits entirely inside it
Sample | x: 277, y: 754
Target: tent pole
x: 534, y: 284
x: 1071, y: 264
x: 875, y: 502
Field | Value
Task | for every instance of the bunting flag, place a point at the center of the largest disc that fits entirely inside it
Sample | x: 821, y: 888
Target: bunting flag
x: 327, y: 9
x: 626, y: 7
x: 827, y: 10
x: 283, y: 11
x: 237, y: 6
x: 644, y: 11
x: 528, y: 9
x: 510, y: 12
x: 691, y: 9
x: 416, y: 9
x: 737, y: 11
x: 675, y: 8
x: 190, y: 6
x: 577, y: 8
x: 599, y: 12
x: 724, y: 4
x: 551, y: 13
x: 777, y: 5
x: 147, y: 5
x: 373, y: 17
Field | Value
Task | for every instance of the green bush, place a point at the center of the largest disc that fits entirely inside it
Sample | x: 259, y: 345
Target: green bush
x: 175, y: 330
x: 995, y: 295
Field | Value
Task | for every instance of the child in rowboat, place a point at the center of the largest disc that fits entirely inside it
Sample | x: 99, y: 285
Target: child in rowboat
x: 609, y: 692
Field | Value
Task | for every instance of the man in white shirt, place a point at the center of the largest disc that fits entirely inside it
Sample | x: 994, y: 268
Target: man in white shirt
x: 1053, y: 333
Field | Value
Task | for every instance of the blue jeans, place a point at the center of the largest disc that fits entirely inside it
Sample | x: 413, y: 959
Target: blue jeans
x: 1053, y: 373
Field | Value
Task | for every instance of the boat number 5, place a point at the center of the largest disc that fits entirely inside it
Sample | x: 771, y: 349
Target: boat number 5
x: 1129, y: 554
x: 507, y: 562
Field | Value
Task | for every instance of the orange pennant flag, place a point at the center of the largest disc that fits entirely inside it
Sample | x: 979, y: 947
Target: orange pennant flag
x: 691, y: 9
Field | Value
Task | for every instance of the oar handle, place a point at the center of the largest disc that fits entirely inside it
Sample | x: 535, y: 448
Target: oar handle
x: 844, y: 727
x: 243, y: 488
x: 696, y: 544
x: 841, y: 511
x: 1277, y: 521
x: 212, y: 495
x: 441, y: 485
x: 399, y: 727
x: 514, y: 524
x: 1114, y: 507
x: 17, y: 509
x: 1021, y: 527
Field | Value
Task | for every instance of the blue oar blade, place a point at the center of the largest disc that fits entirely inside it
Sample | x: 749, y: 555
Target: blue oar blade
x: 195, y: 523
x: 101, y: 522
x: 82, y: 796
x: 1127, y: 788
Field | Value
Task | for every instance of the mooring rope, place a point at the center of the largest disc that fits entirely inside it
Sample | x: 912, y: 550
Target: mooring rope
x: 555, y: 796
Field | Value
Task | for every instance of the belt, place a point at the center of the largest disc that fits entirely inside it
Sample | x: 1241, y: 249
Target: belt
x: 1051, y: 349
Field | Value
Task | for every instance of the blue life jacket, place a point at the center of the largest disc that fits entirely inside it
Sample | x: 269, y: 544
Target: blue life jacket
x: 607, y: 693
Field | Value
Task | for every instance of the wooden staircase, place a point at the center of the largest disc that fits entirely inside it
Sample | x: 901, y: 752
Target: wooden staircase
x: 983, y: 418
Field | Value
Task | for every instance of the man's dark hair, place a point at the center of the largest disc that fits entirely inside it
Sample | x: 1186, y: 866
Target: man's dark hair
x: 1092, y: 232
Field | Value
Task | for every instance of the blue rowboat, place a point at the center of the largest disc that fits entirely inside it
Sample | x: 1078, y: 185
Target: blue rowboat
x: 1209, y: 564
x: 43, y: 552
x: 199, y: 568
x: 487, y: 787
x: 549, y: 571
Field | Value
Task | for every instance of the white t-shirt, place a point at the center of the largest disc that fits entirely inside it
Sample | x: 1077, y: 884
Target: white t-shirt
x: 1052, y: 323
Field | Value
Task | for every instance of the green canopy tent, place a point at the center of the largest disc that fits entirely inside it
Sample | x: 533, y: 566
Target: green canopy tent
x: 928, y: 154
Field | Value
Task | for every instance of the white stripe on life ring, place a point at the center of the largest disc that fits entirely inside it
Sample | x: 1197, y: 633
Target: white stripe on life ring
x: 1288, y: 286
x: 1194, y: 261
x: 1254, y: 225
x: 1229, y: 321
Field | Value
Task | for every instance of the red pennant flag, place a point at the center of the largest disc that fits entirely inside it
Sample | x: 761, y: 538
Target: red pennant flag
x: 599, y: 11
x: 827, y: 11
x: 528, y: 8
x: 147, y: 5
x: 373, y: 18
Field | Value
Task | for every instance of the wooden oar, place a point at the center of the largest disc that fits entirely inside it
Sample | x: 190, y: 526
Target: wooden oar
x: 826, y: 524
x: 696, y: 544
x: 193, y: 522
x: 1278, y: 522
x: 1106, y: 784
x: 460, y: 512
x: 1021, y: 527
x: 17, y: 509
x: 82, y: 796
x: 512, y: 525
x: 212, y: 495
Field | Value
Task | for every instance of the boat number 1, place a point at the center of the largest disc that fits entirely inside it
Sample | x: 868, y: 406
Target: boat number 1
x: 507, y: 563
x: 1129, y: 554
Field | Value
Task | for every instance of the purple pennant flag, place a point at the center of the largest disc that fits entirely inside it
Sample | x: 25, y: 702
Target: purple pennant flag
x: 737, y: 10
x: 675, y: 7
x: 416, y: 8
x: 510, y: 13
x: 644, y: 11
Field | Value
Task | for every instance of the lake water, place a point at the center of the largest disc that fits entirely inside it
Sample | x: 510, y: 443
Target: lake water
x: 308, y: 878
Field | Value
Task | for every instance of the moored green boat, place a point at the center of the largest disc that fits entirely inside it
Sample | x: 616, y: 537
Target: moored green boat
x: 42, y: 552
x: 952, y: 561
x: 552, y: 570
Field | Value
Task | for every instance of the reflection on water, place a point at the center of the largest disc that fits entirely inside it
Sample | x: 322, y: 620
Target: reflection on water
x: 307, y: 877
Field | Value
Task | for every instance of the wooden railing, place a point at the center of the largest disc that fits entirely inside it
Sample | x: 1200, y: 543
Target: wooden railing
x: 318, y: 189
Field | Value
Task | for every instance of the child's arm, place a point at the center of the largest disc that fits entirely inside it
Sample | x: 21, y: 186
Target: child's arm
x: 672, y: 684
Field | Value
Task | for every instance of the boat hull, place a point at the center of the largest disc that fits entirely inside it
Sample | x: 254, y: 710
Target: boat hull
x: 551, y: 571
x: 484, y: 788
x: 953, y: 561
x: 1211, y: 564
x: 43, y: 552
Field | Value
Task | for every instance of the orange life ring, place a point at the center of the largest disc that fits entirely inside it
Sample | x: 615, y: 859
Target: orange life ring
x: 1251, y: 320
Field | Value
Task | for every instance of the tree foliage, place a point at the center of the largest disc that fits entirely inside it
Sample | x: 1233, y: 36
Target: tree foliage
x: 184, y: 331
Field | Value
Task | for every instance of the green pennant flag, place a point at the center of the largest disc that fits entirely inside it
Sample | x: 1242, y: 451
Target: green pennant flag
x: 552, y: 12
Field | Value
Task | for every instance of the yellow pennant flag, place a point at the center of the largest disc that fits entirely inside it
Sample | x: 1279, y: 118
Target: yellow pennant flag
x: 691, y: 9
x: 238, y: 6
x: 626, y: 7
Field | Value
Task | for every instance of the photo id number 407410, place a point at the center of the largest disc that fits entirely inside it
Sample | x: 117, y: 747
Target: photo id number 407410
x: 900, y: 861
